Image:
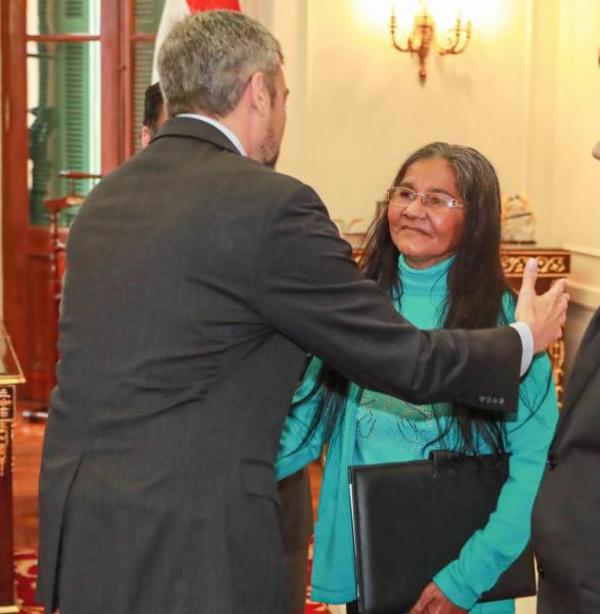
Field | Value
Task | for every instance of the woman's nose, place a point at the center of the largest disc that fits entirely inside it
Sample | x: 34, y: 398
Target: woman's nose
x: 415, y: 208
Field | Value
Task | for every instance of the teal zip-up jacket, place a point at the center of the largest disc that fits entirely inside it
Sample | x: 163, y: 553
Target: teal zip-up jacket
x: 489, y: 551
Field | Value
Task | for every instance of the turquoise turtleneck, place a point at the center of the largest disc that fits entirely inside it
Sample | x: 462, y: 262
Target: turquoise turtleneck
x: 390, y: 429
x: 425, y: 282
x: 377, y: 428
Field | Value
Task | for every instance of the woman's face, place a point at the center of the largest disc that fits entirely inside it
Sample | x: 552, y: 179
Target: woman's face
x: 427, y: 235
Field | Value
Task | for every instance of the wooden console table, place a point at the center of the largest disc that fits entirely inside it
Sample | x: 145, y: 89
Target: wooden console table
x: 553, y: 264
x: 10, y: 375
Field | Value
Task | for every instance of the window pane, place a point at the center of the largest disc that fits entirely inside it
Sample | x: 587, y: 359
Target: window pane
x: 141, y: 80
x: 64, y: 115
x: 147, y: 15
x: 63, y: 16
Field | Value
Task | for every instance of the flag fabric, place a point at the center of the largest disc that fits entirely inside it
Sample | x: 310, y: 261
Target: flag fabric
x: 174, y: 10
x: 212, y: 5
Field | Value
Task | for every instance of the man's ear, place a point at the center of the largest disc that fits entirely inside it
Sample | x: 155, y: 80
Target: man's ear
x: 258, y: 92
x: 146, y: 136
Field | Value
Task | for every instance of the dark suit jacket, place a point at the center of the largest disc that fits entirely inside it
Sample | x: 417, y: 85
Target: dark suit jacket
x: 566, y: 518
x: 296, y: 514
x: 296, y: 522
x: 197, y: 281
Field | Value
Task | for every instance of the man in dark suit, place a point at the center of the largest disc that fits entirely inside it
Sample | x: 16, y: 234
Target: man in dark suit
x: 296, y: 516
x: 566, y: 515
x: 198, y: 280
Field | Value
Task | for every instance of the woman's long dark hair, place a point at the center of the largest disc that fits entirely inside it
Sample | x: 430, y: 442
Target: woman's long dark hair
x: 476, y: 286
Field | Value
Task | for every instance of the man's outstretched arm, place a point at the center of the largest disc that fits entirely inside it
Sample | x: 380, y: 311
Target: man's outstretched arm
x: 308, y: 287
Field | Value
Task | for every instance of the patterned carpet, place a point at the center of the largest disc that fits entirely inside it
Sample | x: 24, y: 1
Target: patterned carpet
x: 311, y: 606
x: 25, y: 576
x: 26, y: 573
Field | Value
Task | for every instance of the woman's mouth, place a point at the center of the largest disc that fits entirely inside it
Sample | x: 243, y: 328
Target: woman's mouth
x: 414, y: 229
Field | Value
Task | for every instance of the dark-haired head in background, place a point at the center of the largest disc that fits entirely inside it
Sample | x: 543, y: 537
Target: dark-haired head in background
x: 155, y: 113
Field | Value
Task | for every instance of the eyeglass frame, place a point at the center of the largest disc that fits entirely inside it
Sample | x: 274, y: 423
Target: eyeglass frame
x: 451, y: 202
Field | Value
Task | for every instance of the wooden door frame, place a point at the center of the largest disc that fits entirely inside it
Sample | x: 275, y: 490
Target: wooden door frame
x: 19, y: 237
x: 15, y: 209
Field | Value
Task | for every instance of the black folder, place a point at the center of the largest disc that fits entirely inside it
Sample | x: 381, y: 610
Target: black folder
x: 411, y: 519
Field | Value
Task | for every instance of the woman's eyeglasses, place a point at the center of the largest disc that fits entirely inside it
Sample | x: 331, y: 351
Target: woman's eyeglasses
x: 402, y: 197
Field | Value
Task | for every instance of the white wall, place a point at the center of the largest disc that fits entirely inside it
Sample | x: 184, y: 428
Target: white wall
x: 575, y: 179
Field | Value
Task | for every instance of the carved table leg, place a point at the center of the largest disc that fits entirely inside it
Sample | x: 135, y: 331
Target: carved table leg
x: 557, y: 356
x: 7, y: 596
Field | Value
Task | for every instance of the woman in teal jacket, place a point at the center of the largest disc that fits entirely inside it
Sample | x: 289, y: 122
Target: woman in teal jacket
x: 436, y: 250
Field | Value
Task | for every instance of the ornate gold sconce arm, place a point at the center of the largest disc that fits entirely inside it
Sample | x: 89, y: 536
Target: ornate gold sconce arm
x: 422, y: 39
x: 457, y: 38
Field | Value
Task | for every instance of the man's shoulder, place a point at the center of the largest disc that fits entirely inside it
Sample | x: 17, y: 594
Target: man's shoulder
x: 270, y: 189
x: 593, y: 327
x: 590, y: 343
x: 259, y: 177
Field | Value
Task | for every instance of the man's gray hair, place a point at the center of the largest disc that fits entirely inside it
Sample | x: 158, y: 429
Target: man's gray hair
x: 207, y: 59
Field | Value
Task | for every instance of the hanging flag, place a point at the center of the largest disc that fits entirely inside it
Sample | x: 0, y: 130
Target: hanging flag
x: 174, y: 10
x: 213, y: 5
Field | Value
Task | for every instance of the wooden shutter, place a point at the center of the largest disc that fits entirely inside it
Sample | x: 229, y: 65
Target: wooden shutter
x: 147, y: 18
x: 74, y: 71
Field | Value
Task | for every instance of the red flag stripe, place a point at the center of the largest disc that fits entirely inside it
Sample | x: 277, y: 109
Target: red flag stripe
x: 210, y: 5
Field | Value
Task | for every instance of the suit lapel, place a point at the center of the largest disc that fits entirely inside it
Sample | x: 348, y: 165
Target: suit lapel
x: 586, y: 364
x: 196, y: 129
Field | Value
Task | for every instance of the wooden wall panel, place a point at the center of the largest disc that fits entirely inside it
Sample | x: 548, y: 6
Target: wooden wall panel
x: 15, y: 209
x: 41, y: 319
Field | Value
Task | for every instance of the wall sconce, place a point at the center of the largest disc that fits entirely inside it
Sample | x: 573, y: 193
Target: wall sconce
x: 423, y: 38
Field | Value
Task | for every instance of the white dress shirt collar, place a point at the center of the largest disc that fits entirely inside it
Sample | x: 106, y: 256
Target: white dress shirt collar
x: 219, y: 126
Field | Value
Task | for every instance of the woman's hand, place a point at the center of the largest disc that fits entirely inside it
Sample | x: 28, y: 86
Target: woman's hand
x: 433, y: 601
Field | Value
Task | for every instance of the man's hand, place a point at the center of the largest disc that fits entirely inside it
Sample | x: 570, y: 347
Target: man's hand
x: 545, y: 314
x: 433, y: 601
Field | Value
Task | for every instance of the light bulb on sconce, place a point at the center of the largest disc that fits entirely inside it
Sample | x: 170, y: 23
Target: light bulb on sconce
x: 423, y: 37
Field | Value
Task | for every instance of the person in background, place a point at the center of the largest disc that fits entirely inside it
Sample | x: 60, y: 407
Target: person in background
x: 199, y: 279
x: 155, y: 113
x: 296, y: 517
x: 566, y: 516
x: 435, y: 250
